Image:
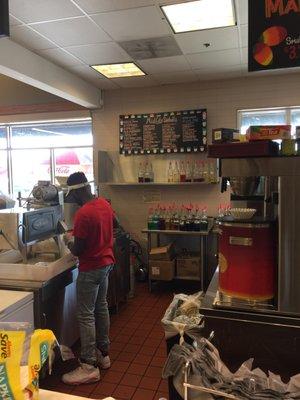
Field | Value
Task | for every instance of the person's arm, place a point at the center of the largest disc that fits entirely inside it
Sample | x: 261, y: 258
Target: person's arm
x: 77, y: 247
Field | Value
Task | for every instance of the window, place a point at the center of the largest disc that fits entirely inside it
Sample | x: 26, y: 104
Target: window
x: 43, y: 151
x: 3, y: 172
x: 51, y: 135
x: 295, y: 118
x: 272, y: 116
x: 3, y: 138
x: 29, y: 166
x: 71, y: 160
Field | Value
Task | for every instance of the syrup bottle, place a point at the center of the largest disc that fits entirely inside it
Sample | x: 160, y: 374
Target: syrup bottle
x: 182, y: 172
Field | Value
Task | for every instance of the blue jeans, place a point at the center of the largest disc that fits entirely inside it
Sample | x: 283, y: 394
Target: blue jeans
x: 92, y: 312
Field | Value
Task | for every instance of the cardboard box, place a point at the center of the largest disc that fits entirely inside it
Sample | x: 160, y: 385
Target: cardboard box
x: 269, y: 132
x: 189, y: 266
x: 161, y: 270
x: 223, y: 135
x: 162, y: 253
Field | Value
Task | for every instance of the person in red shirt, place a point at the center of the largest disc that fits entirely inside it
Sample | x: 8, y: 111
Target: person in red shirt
x: 93, y: 245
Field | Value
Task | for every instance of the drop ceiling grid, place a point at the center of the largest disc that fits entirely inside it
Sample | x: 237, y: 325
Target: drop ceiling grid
x: 100, y: 24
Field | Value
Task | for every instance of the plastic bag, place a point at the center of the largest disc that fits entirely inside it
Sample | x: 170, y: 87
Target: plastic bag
x: 206, y: 369
x: 23, y: 353
x: 182, y: 316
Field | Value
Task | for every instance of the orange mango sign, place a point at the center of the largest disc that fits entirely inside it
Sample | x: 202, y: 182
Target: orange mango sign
x: 274, y: 34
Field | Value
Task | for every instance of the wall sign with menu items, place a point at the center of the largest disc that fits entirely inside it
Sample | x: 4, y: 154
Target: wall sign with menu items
x: 166, y: 132
x: 274, y: 34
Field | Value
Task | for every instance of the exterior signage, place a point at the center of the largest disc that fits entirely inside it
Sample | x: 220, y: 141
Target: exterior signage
x: 274, y: 34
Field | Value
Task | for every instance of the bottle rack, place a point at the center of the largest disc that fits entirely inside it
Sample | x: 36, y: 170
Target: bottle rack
x: 143, y: 184
x: 117, y: 170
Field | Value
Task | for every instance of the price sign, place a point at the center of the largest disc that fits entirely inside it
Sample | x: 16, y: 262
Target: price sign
x: 274, y: 34
x: 166, y: 132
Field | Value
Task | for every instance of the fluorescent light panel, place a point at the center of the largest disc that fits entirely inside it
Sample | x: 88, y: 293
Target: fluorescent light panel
x: 200, y: 15
x: 123, y: 70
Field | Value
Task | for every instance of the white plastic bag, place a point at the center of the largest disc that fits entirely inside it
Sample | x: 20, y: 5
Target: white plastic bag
x: 183, y: 316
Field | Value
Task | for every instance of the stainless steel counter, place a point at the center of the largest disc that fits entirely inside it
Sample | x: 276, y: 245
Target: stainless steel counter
x: 54, y: 290
x: 271, y: 338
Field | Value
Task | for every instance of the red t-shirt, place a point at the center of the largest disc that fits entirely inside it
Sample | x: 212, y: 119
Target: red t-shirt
x: 94, y: 223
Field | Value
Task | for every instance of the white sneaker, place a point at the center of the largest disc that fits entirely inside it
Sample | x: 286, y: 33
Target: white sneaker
x: 103, y: 362
x: 85, y: 373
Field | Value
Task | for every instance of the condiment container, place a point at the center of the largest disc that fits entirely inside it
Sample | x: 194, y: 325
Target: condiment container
x: 288, y: 147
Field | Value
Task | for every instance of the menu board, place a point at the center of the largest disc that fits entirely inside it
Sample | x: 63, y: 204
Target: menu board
x: 274, y: 35
x: 166, y: 132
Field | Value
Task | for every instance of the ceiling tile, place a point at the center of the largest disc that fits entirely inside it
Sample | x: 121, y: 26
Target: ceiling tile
x: 14, y: 21
x: 101, y: 53
x: 176, y: 77
x: 142, y: 49
x: 242, y: 11
x: 73, y: 32
x: 59, y: 57
x: 87, y: 73
x: 138, y: 81
x: 210, y: 59
x: 95, y: 6
x: 166, y: 2
x: 106, y: 84
x: 166, y: 64
x: 42, y: 10
x: 219, y: 39
x: 132, y: 24
x: 219, y: 71
x: 29, y: 39
x: 244, y: 35
x: 210, y: 76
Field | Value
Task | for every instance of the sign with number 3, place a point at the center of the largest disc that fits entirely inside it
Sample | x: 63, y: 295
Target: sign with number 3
x: 274, y: 34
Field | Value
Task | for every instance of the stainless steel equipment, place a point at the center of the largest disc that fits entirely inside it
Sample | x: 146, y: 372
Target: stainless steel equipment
x: 285, y: 171
x: 46, y: 269
x: 22, y: 228
x: 244, y: 186
x: 41, y: 219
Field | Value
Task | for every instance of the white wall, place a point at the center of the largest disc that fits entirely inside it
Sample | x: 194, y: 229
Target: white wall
x: 13, y: 92
x: 222, y: 100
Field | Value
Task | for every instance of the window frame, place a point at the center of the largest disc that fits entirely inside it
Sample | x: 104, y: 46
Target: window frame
x: 288, y: 113
x: 10, y: 148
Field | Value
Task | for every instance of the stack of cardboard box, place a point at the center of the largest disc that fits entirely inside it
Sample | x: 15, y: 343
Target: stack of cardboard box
x: 162, y: 263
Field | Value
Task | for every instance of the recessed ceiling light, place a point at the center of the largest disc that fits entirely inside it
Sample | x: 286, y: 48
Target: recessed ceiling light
x: 199, y: 15
x: 123, y: 70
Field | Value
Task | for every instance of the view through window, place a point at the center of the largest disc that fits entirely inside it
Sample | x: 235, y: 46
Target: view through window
x: 44, y: 151
x: 270, y: 116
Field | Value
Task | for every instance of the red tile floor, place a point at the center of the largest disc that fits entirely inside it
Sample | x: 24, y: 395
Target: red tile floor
x: 138, y: 353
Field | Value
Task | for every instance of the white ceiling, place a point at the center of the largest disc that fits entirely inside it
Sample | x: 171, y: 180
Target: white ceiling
x: 77, y: 33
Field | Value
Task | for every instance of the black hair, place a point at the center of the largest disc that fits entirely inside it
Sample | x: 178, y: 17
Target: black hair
x: 76, y: 178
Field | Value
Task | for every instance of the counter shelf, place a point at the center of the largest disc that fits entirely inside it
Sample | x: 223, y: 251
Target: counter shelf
x: 155, y: 183
x: 203, y: 248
